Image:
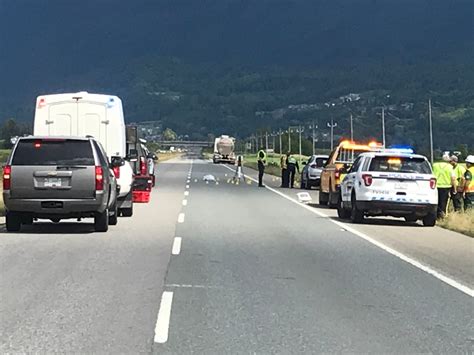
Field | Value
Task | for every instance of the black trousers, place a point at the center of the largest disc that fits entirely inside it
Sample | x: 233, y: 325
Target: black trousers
x: 443, y: 198
x: 457, y: 201
x: 261, y: 171
x: 292, y: 173
x: 469, y: 201
x: 284, y: 178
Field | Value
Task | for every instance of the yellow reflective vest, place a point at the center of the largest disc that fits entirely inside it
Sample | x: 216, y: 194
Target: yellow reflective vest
x: 443, y: 172
x: 469, y: 176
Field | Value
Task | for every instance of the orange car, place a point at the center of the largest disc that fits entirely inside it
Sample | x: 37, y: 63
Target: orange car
x: 339, y: 162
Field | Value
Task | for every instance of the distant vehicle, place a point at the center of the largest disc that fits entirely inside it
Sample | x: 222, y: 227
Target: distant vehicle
x: 150, y: 160
x: 224, y: 150
x: 58, y: 178
x: 311, y: 174
x: 83, y: 114
x: 339, y: 161
x: 389, y: 183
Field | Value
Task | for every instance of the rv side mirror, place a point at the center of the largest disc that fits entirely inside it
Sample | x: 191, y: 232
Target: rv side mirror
x: 133, y: 155
x: 117, y: 162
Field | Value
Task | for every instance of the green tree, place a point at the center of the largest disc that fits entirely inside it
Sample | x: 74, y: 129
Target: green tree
x: 169, y: 135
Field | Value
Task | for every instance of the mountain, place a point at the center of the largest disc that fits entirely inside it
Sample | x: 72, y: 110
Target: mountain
x: 211, y: 65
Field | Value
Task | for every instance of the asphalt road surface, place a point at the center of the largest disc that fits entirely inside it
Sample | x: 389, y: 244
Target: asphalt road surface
x: 216, y: 267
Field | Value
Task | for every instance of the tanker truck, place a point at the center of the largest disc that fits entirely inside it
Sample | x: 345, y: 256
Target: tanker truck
x: 224, y: 150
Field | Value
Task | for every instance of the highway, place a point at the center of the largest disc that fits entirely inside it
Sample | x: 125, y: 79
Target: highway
x: 215, y: 267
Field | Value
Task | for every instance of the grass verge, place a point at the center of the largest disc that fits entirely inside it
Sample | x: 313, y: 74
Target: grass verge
x: 167, y: 156
x: 459, y: 222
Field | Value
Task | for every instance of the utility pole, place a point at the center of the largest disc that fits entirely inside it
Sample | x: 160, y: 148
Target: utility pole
x: 300, y: 130
x: 266, y: 141
x: 289, y: 139
x: 332, y: 125
x: 280, y: 141
x: 313, y: 127
x: 383, y: 126
x: 431, y: 132
x: 352, y: 130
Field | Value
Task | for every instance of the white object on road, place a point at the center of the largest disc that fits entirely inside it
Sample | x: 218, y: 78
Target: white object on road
x: 163, y: 320
x: 304, y: 197
x: 209, y: 178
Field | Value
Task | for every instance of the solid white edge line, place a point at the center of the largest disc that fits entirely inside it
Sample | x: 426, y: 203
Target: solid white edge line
x: 185, y: 202
x: 176, y: 249
x: 446, y: 279
x: 163, y: 320
x: 181, y: 218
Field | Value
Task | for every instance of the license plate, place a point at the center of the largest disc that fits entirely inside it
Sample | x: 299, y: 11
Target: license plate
x: 52, y: 182
x: 401, y: 185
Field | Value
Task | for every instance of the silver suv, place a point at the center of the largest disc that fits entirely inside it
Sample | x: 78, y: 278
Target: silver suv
x: 58, y: 178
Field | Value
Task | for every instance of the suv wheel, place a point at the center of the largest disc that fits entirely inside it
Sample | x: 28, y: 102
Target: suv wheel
x: 13, y: 221
x: 127, y: 212
x: 113, y: 218
x: 303, y: 184
x: 429, y: 220
x: 357, y: 216
x: 101, y: 221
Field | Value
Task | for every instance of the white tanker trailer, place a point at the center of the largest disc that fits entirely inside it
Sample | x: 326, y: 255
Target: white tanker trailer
x: 224, y: 150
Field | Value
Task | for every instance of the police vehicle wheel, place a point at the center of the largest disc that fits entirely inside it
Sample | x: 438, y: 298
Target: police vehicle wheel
x: 341, y: 211
x: 357, y: 216
x: 13, y: 222
x: 323, y: 198
x: 429, y: 220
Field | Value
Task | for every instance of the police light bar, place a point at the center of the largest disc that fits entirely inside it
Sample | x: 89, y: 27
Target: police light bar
x: 397, y: 150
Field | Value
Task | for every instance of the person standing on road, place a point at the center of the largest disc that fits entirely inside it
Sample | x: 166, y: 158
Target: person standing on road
x: 292, y: 168
x: 284, y: 170
x: 239, y: 173
x: 458, y: 190
x: 261, y: 162
x: 469, y: 184
x: 445, y: 181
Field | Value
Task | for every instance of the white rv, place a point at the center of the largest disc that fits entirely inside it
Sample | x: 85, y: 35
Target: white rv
x: 83, y: 114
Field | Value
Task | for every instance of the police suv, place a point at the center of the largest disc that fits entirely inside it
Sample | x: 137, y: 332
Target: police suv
x: 389, y: 182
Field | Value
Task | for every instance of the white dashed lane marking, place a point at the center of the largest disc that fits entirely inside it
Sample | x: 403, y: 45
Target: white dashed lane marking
x: 176, y: 246
x: 163, y: 320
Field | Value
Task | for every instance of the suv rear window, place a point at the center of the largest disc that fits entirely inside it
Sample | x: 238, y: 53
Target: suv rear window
x: 400, y: 165
x: 320, y: 162
x: 53, y: 152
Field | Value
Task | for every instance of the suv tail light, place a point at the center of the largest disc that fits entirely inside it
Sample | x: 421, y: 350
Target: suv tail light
x: 99, y: 178
x: 367, y: 179
x: 337, y: 174
x: 143, y: 168
x: 7, y: 178
x: 116, y: 170
x: 433, y: 183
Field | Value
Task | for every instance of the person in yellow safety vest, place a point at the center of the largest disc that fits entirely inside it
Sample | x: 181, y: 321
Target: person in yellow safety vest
x: 457, y: 193
x: 261, y: 161
x: 469, y: 183
x: 445, y: 181
x: 292, y: 168
x: 284, y: 171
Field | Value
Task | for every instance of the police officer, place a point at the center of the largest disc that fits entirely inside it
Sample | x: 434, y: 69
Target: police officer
x: 469, y: 183
x: 457, y: 193
x: 292, y: 168
x: 445, y: 181
x: 284, y: 171
x: 261, y: 161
